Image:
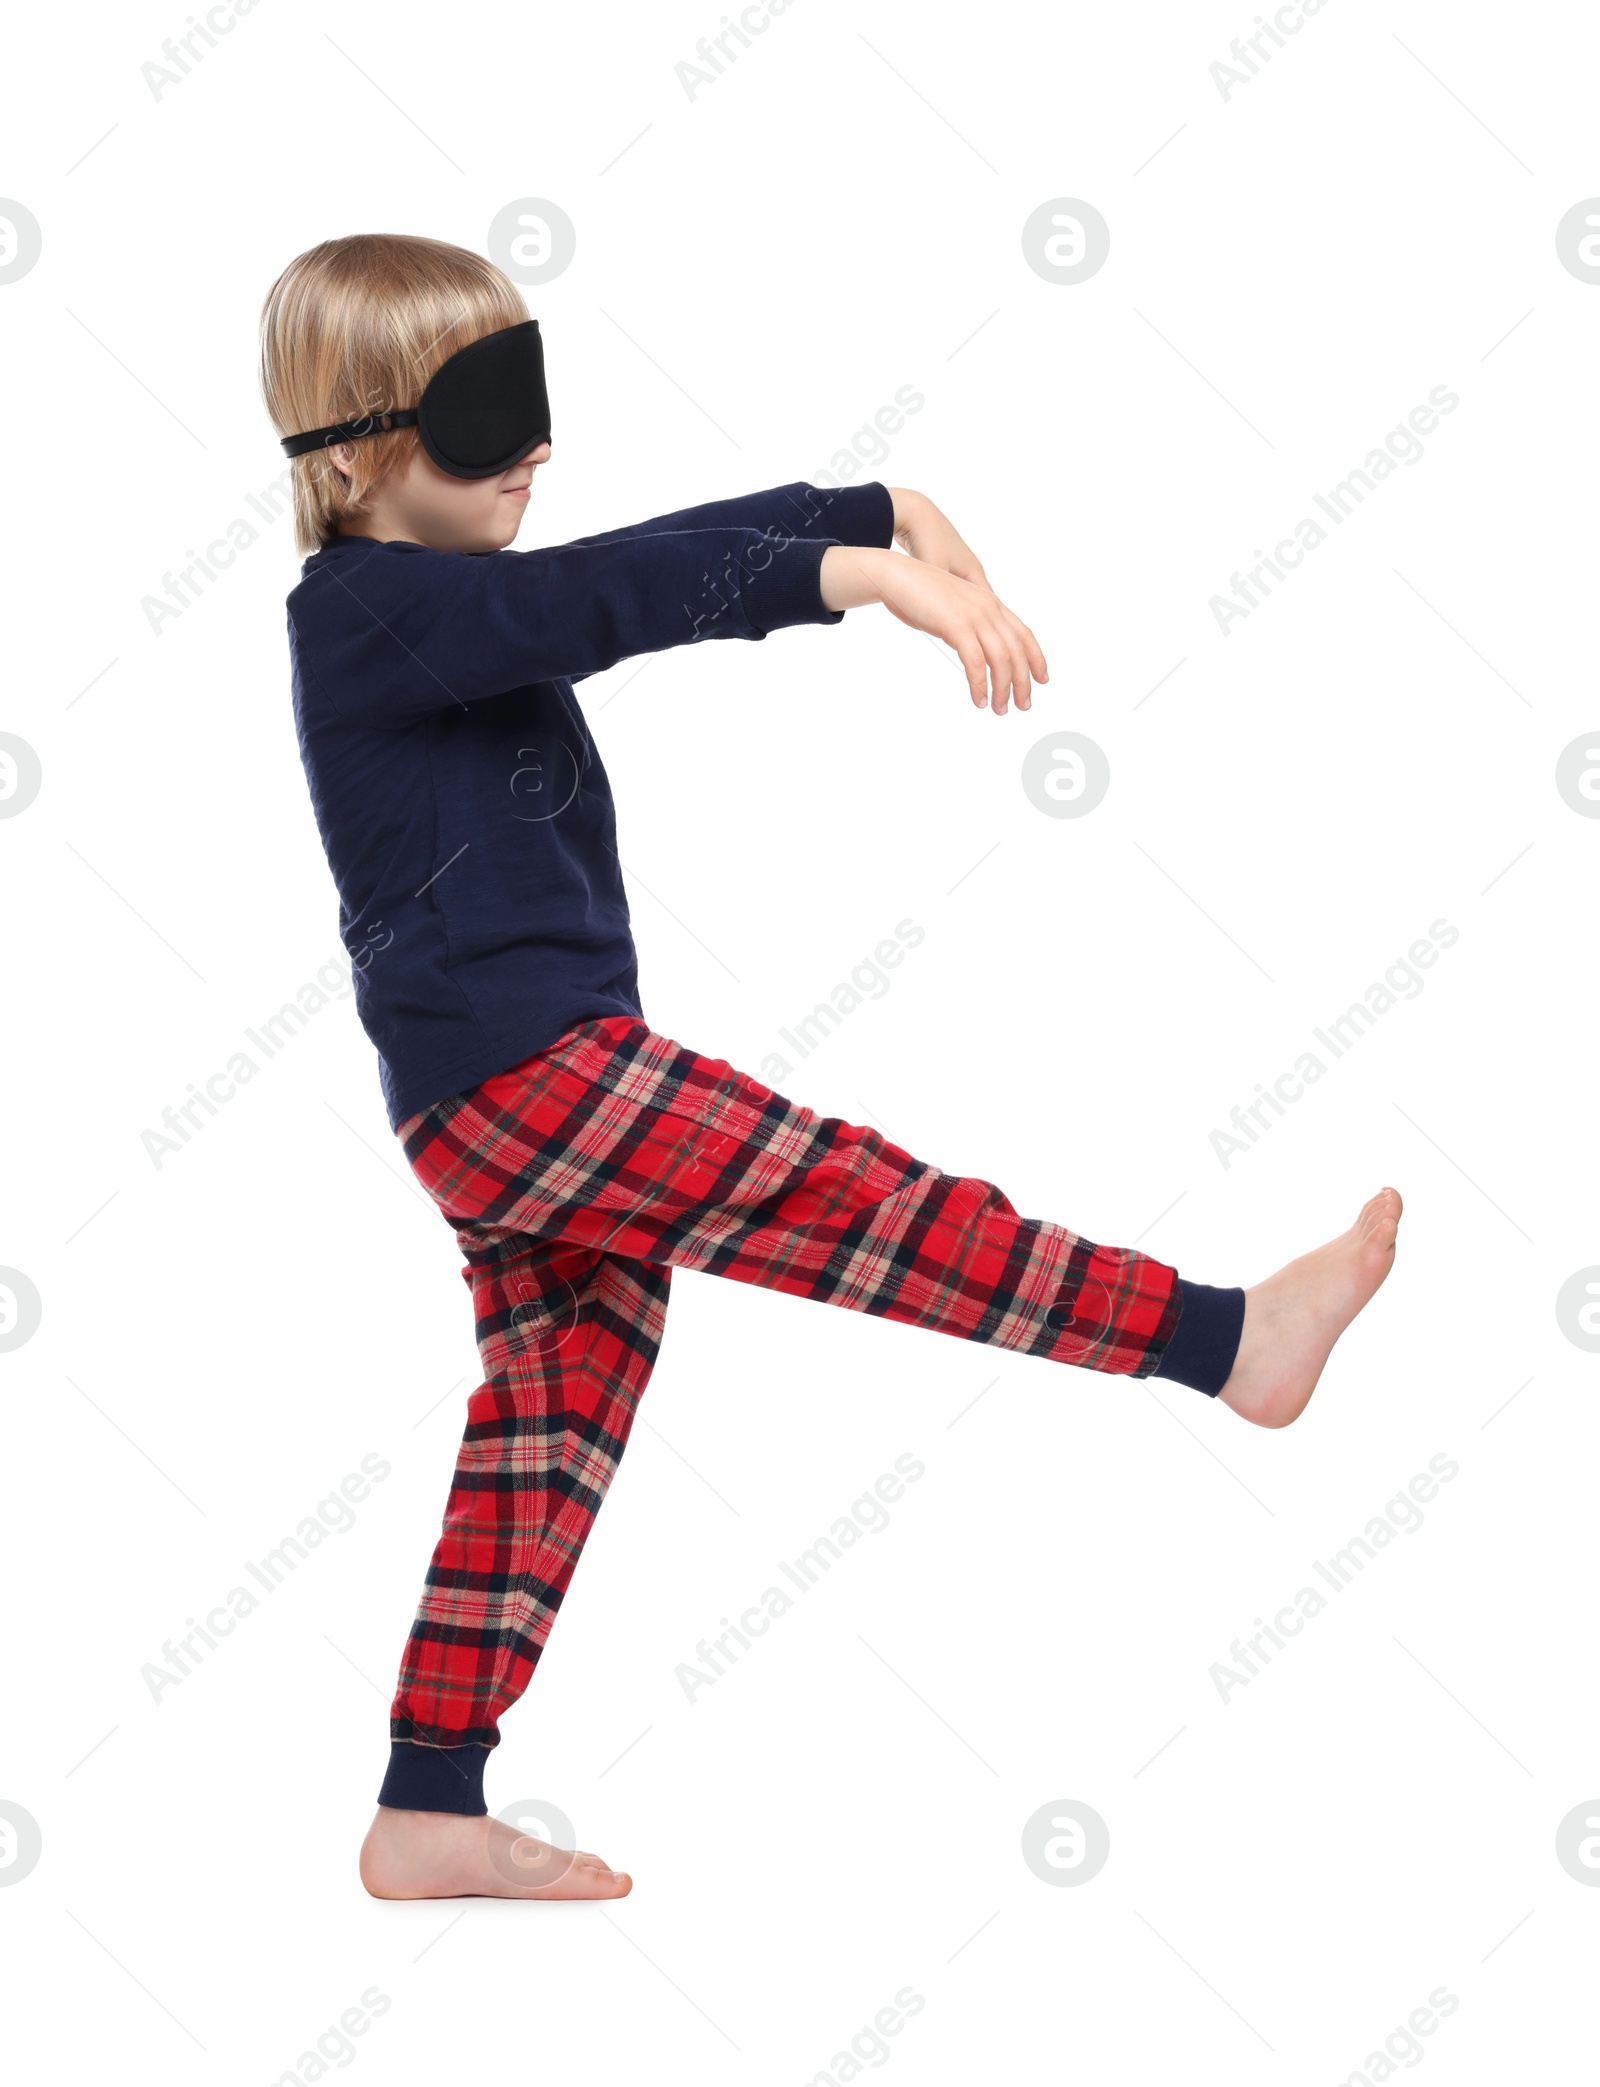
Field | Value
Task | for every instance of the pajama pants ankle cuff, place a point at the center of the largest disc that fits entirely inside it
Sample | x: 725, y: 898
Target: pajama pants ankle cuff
x: 1206, y: 1339
x: 434, y: 1778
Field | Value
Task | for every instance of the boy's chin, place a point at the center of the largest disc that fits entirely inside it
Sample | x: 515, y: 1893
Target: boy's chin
x: 492, y: 537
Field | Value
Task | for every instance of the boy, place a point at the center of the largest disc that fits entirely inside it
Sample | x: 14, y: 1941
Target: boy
x: 578, y: 1155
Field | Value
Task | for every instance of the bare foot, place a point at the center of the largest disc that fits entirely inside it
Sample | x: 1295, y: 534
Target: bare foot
x: 448, y: 1855
x: 1292, y: 1320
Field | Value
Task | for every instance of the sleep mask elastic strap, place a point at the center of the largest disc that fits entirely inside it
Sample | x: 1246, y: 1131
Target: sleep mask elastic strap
x: 349, y: 431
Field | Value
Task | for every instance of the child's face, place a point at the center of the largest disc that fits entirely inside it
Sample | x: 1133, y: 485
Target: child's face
x: 425, y: 505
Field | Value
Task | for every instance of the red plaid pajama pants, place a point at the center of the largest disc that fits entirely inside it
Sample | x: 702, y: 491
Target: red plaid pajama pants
x: 576, y: 1182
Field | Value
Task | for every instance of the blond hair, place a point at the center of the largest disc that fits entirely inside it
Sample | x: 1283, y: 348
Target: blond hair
x: 357, y: 326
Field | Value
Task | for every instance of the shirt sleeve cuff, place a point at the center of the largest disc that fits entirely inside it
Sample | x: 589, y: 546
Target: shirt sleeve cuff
x: 860, y: 514
x: 787, y: 589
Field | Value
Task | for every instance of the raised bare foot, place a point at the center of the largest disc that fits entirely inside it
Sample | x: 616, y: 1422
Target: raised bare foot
x: 445, y: 1855
x: 1292, y: 1320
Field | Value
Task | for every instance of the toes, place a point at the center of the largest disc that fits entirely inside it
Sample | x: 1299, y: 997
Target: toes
x: 604, y: 1883
x: 1379, y: 1225
x: 598, y: 1875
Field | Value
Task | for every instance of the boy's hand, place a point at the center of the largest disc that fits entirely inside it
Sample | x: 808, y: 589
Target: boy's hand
x: 1000, y: 654
x: 926, y: 533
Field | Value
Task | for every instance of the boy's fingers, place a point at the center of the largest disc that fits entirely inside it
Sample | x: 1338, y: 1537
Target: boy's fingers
x: 1030, y: 645
x: 1036, y: 659
x: 1011, y: 670
x: 993, y: 685
x: 1001, y: 668
x: 999, y: 658
x: 1021, y: 680
x: 1021, y: 684
x: 971, y: 655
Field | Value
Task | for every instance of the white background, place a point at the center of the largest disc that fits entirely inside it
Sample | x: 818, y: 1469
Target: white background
x: 759, y: 267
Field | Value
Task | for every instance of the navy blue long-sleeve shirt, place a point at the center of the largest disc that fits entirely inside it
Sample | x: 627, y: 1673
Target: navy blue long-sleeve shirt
x: 462, y: 803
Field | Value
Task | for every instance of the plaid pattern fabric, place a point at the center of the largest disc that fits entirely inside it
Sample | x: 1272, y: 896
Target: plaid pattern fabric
x: 576, y: 1181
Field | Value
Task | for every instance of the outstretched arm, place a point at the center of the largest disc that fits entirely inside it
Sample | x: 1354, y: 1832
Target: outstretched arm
x: 854, y: 514
x: 396, y: 632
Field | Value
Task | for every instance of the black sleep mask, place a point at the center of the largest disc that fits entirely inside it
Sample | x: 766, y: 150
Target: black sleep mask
x: 482, y: 410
